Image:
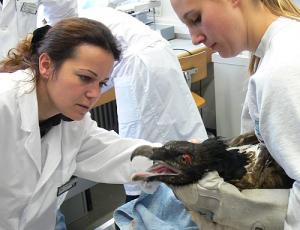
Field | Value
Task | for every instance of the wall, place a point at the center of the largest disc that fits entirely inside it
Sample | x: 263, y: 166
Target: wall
x: 205, y: 88
x: 166, y: 15
x: 297, y: 2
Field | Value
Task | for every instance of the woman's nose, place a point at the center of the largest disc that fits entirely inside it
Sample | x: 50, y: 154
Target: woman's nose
x: 197, y: 37
x: 94, y: 91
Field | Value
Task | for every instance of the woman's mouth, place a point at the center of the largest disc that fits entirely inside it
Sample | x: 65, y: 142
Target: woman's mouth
x: 83, y: 108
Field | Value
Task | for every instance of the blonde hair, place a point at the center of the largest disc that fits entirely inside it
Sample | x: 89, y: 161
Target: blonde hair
x: 279, y: 8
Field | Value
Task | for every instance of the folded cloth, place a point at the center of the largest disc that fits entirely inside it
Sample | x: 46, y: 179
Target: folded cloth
x: 160, y: 210
x: 60, y: 221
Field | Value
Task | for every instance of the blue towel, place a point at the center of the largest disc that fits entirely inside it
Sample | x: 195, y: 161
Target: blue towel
x: 160, y: 210
x: 60, y: 221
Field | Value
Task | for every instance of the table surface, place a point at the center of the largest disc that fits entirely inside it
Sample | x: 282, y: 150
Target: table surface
x: 184, y: 44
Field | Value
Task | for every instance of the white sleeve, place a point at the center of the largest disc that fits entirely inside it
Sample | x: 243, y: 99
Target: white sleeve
x: 105, y: 157
x: 279, y: 127
x: 279, y: 120
x: 55, y: 10
x: 246, y: 121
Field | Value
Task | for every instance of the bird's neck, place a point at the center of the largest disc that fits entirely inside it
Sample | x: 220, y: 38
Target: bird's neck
x: 234, y: 165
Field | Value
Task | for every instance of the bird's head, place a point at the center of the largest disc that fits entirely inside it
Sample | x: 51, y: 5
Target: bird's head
x: 182, y: 162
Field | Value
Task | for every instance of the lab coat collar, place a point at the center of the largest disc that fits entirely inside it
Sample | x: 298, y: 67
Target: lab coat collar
x: 28, y: 107
x: 27, y: 100
x: 53, y: 148
x: 30, y: 124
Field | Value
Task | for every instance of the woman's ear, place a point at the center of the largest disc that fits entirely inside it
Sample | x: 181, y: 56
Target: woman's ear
x: 45, y: 66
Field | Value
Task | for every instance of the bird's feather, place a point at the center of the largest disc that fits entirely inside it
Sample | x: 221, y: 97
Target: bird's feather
x: 243, y: 162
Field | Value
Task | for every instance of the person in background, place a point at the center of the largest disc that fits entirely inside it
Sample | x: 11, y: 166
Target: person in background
x: 270, y: 29
x: 116, y: 3
x: 153, y: 99
x: 19, y: 17
x: 47, y: 86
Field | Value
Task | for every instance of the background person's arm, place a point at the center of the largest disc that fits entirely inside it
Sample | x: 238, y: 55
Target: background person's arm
x: 55, y: 10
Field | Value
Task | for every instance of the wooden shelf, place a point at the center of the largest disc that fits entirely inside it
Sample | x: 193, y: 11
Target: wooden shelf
x: 106, y: 97
x: 200, y: 101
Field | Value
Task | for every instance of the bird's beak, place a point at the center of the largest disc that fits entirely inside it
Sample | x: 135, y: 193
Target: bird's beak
x: 144, y: 150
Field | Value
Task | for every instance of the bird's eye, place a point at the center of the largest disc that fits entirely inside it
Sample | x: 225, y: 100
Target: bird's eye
x: 186, y: 159
x: 167, y: 147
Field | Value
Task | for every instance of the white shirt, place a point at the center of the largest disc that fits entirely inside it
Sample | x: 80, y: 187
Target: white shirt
x: 19, y: 17
x: 28, y: 192
x: 272, y: 106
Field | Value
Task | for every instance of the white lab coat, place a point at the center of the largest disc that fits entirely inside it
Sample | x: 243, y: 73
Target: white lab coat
x: 28, y: 191
x: 15, y: 23
x: 153, y: 99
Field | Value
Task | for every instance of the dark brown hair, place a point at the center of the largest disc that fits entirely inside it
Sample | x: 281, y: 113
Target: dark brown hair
x: 60, y: 43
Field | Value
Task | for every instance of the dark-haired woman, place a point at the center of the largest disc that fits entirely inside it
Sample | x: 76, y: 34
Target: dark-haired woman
x: 47, y: 86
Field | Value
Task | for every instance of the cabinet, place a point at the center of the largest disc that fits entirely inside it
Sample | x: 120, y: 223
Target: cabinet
x: 231, y: 81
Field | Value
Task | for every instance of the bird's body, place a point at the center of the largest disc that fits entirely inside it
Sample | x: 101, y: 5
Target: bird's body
x: 243, y: 162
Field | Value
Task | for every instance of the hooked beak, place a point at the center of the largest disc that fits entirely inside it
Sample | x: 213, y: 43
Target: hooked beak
x: 144, y: 150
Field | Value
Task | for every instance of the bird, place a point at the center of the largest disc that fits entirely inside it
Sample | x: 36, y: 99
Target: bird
x: 242, y: 161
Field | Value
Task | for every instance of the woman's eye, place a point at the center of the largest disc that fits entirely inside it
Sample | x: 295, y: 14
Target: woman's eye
x: 101, y: 84
x: 196, y: 20
x: 85, y: 78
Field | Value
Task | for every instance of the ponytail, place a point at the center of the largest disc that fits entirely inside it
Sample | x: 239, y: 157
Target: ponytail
x: 284, y: 8
x: 18, y: 58
x: 25, y: 54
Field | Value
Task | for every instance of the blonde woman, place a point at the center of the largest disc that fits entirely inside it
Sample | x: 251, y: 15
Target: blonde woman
x: 270, y: 29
